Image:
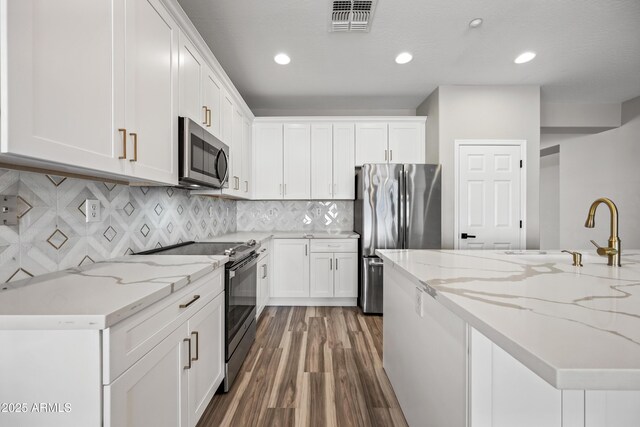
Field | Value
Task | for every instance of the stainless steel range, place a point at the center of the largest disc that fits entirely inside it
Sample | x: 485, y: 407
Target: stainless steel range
x: 240, y: 295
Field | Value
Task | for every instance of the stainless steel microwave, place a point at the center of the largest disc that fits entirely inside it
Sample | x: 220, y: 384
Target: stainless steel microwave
x: 203, y: 158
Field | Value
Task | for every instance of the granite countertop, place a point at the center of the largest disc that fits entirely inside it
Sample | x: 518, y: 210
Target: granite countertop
x: 576, y: 327
x: 101, y: 294
x: 263, y: 236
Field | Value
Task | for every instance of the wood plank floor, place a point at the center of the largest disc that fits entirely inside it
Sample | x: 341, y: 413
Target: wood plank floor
x: 311, y: 366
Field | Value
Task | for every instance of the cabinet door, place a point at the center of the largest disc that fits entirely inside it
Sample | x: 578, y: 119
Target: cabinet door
x: 226, y: 120
x: 407, y: 142
x: 322, y: 165
x: 321, y: 277
x: 346, y: 275
x: 60, y: 75
x: 263, y: 284
x: 371, y: 143
x: 211, y: 94
x: 207, y: 356
x: 344, y: 162
x: 236, y: 153
x: 297, y: 161
x: 190, y: 69
x: 290, y: 268
x: 247, y: 151
x: 151, y: 90
x: 153, y: 392
x: 267, y: 161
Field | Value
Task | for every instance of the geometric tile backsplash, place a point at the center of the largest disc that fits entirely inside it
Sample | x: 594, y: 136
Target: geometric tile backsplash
x: 295, y: 215
x: 52, y: 234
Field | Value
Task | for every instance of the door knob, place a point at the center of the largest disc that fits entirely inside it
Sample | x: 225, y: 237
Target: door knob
x: 465, y: 236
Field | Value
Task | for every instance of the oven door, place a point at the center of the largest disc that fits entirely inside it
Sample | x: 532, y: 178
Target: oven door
x: 240, y: 298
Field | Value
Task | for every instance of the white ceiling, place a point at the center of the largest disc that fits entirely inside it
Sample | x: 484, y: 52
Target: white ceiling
x: 588, y: 50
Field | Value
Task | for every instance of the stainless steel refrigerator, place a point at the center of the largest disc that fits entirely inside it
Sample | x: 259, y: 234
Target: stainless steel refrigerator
x: 397, y: 207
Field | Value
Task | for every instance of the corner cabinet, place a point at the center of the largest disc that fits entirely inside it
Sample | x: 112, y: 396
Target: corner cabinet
x: 119, y: 115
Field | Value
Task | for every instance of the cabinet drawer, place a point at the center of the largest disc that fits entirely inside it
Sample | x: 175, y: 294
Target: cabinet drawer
x: 126, y: 342
x: 334, y: 245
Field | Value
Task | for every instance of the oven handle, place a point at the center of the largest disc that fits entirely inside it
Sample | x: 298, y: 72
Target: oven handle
x: 253, y: 260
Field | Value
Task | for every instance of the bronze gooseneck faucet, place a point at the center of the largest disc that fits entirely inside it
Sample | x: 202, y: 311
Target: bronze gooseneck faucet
x: 613, y: 251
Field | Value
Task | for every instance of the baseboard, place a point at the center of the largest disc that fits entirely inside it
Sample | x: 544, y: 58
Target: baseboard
x: 314, y: 302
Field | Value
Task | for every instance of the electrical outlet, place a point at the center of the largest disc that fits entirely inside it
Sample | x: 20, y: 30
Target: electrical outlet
x: 270, y: 212
x: 318, y: 212
x: 418, y: 302
x: 92, y: 210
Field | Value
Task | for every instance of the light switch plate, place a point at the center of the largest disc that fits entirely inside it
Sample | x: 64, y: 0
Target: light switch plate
x: 92, y: 210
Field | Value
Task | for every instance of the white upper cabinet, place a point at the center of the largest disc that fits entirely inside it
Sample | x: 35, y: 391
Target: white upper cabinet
x: 211, y: 102
x: 191, y: 80
x: 226, y: 119
x: 407, y: 142
x: 235, y: 153
x: 322, y: 161
x: 371, y: 143
x: 297, y: 161
x: 344, y: 186
x: 247, y: 151
x: 151, y: 91
x: 400, y: 141
x: 60, y: 82
x: 267, y: 161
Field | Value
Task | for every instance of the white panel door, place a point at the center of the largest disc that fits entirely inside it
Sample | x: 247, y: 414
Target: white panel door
x: 371, y: 143
x: 297, y: 161
x: 191, y: 78
x: 151, y: 89
x: 61, y: 91
x: 489, y: 197
x: 322, y: 164
x: 321, y: 277
x: 267, y: 161
x: 211, y: 100
x: 344, y: 161
x: 346, y: 275
x: 290, y: 268
x: 247, y: 151
x: 407, y: 142
x: 207, y: 356
x: 153, y: 392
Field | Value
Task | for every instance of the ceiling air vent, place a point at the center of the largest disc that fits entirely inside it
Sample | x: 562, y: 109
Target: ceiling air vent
x: 352, y: 15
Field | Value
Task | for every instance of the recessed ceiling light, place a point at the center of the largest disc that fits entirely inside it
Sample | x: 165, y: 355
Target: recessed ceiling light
x: 404, y: 57
x: 282, y: 59
x: 524, y: 57
x: 475, y: 23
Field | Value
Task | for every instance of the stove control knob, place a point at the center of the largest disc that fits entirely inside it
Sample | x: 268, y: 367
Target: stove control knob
x: 251, y: 242
x: 229, y: 252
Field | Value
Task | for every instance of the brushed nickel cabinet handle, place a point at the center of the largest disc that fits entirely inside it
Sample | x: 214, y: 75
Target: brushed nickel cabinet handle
x: 195, y: 298
x: 385, y: 155
x: 246, y: 186
x: 206, y: 114
x: 188, y: 340
x: 330, y: 264
x: 336, y: 263
x: 197, y: 345
x: 285, y: 189
x: 124, y: 143
x: 390, y: 155
x: 305, y: 250
x: 280, y: 189
x: 135, y: 147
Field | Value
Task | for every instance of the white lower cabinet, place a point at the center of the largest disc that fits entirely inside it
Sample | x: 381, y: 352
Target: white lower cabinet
x: 206, y: 372
x: 154, y: 390
x: 262, y: 282
x: 314, y: 272
x: 172, y: 384
x: 290, y: 268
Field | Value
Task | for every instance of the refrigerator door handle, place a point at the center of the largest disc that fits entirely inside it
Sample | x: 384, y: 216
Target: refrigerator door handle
x: 401, y: 210
x: 405, y: 206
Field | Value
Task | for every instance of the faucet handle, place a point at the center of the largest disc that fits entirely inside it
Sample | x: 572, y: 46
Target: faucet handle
x: 604, y: 251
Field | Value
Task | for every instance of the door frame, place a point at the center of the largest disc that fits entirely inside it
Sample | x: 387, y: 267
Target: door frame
x: 523, y: 182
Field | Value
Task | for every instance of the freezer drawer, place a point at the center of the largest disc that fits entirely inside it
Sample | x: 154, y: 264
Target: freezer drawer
x: 371, y: 285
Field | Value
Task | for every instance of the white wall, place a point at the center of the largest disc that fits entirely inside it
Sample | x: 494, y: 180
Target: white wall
x: 604, y: 164
x: 486, y: 112
x: 550, y: 201
x: 430, y: 107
